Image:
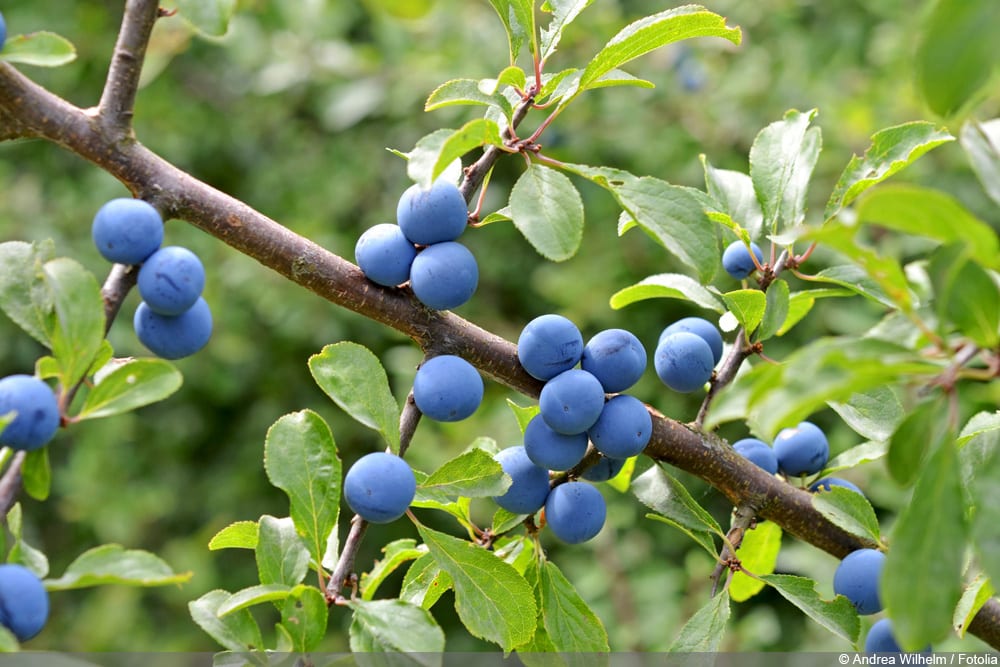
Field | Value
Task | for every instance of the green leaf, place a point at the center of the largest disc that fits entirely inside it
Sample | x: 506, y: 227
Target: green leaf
x: 424, y: 582
x: 20, y: 551
x: 703, y: 632
x: 733, y: 191
x: 78, y: 330
x: 209, y: 17
x: 353, y: 377
x: 849, y: 510
x: 874, y: 414
x: 979, y: 438
x: 131, y: 385
x: 776, y: 311
x: 43, y: 49
x: 504, y: 520
x: 984, y: 488
x: 24, y: 295
x: 923, y: 614
x: 36, y: 474
x: 236, y: 632
x: 976, y: 595
x: 238, y: 535
x: 747, y: 305
x: 966, y: 296
x: 932, y: 214
x: 892, y: 150
x: 300, y: 458
x: 563, y: 13
x: 782, y: 159
x: 547, y: 209
x: 281, y: 556
x: 304, y: 617
x: 923, y: 429
x: 653, y: 32
x: 673, y: 505
x: 522, y: 414
x: 396, y: 626
x: 758, y: 554
x: 518, y: 17
x: 113, y: 564
x: 10, y: 644
x: 955, y: 58
x: 254, y: 595
x: 474, y: 474
x: 475, y: 133
x: 837, y: 615
x: 396, y: 553
x: 571, y: 625
x: 464, y: 92
x: 854, y: 278
x: 800, y: 303
x: 981, y: 141
x: 855, y: 456
x: 493, y: 601
x: 668, y: 286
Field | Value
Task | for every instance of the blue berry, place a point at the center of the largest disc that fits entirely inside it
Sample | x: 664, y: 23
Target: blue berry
x: 825, y: 484
x: 171, y: 280
x: 447, y: 388
x: 575, y: 511
x: 802, y: 450
x: 379, y: 487
x: 758, y: 453
x: 127, y: 231
x: 702, y: 327
x: 623, y: 429
x: 529, y: 484
x: 3, y: 32
x: 736, y: 259
x: 432, y: 215
x: 604, y: 469
x: 24, y: 602
x: 857, y: 579
x: 616, y: 358
x: 880, y: 639
x: 551, y: 450
x: 444, y: 275
x: 549, y: 345
x: 174, y: 336
x: 571, y: 402
x: 684, y: 361
x: 37, y: 408
x: 385, y: 255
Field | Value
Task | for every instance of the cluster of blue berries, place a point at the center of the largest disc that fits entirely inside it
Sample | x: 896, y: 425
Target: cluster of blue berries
x: 173, y: 320
x: 422, y: 247
x: 687, y: 353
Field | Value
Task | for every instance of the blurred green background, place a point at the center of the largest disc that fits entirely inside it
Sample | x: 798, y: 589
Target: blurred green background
x: 292, y: 112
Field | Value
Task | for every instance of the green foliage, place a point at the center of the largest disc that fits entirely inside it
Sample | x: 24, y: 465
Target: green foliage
x: 41, y: 49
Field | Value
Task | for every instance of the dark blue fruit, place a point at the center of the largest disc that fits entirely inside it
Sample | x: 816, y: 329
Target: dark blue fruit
x: 616, y: 358
x: 384, y: 255
x: 825, y: 484
x: 757, y: 452
x: 549, y: 345
x: 684, y: 361
x: 736, y: 259
x: 3, y: 32
x: 881, y: 640
x: 37, y: 410
x: 857, y: 579
x: 575, y: 511
x: 551, y: 450
x: 444, y: 275
x: 802, y: 450
x: 24, y: 602
x: 529, y: 484
x: 447, y: 388
x: 379, y: 487
x: 171, y: 280
x: 174, y: 336
x: 604, y: 469
x: 127, y: 231
x: 623, y: 429
x: 702, y: 327
x: 432, y: 215
x: 571, y: 402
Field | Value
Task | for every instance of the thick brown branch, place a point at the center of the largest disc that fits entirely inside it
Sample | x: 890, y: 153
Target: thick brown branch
x: 118, y: 97
x: 180, y: 195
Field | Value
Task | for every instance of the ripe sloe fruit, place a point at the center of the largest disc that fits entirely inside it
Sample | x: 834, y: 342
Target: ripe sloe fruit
x: 702, y: 327
x: 736, y: 259
x: 529, y: 484
x: 825, y: 484
x: 604, y: 469
x: 171, y: 280
x: 127, y: 231
x: 444, y: 275
x: 623, y: 429
x: 684, y: 361
x: 24, y: 602
x: 757, y: 452
x: 802, y: 450
x: 384, y: 255
x: 857, y: 579
x: 3, y: 32
x: 432, y: 215
x: 571, y: 402
x: 551, y: 450
x: 616, y: 358
x: 174, y: 336
x: 575, y: 511
x: 37, y: 409
x: 881, y: 640
x: 549, y: 345
x: 447, y: 388
x: 379, y: 487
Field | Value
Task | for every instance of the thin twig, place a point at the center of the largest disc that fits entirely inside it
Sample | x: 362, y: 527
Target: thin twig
x: 743, y: 520
x: 10, y: 483
x: 345, y: 564
x: 120, y: 87
x: 409, y: 419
